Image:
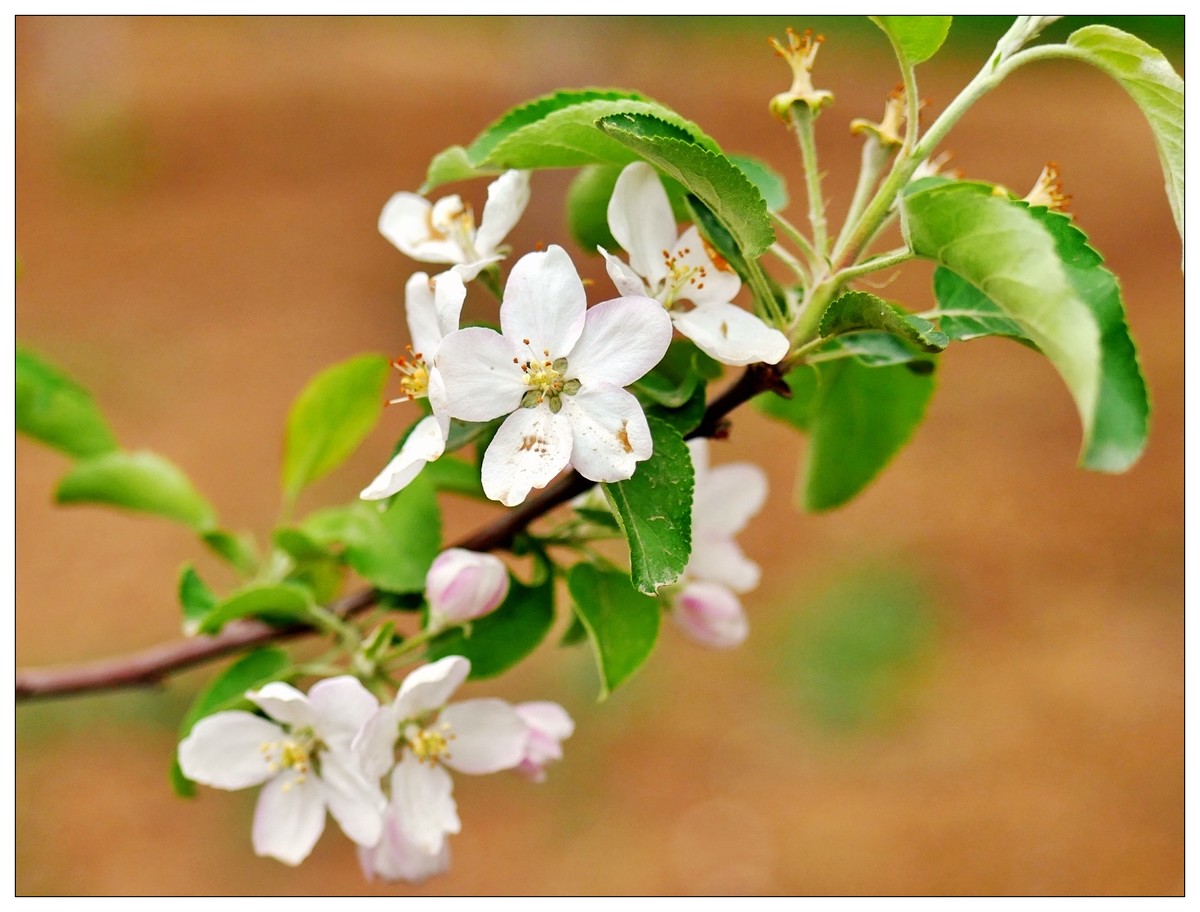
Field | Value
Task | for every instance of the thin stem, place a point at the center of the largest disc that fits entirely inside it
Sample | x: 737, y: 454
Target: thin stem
x: 874, y: 157
x: 791, y: 262
x: 802, y: 120
x: 798, y: 239
x: 875, y: 264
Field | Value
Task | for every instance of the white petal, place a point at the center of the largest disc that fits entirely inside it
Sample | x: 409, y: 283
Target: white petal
x: 544, y: 302
x: 622, y: 339
x: 719, y: 560
x: 405, y: 222
x: 481, y: 379
x: 449, y: 294
x: 468, y: 271
x: 397, y: 857
x: 355, y: 803
x: 433, y: 307
x: 640, y: 218
x: 488, y: 736
x: 375, y: 744
x: 609, y: 432
x: 430, y: 686
x: 423, y: 800
x: 224, y: 750
x: 425, y: 443
x: 508, y: 195
x: 698, y: 448
x: 627, y: 281
x: 709, y: 283
x: 342, y: 705
x: 711, y: 615
x: 531, y: 447
x: 289, y: 817
x: 285, y: 704
x: 731, y: 335
x: 727, y: 497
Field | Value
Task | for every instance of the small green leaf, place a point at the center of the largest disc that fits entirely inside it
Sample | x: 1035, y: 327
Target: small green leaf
x: 915, y: 38
x: 330, y: 418
x: 498, y: 641
x: 859, y: 310
x: 143, y: 481
x: 1148, y: 77
x: 236, y: 549
x: 276, y: 603
x: 587, y: 207
x: 799, y: 408
x: 654, y: 508
x: 771, y: 185
x: 196, y: 599
x: 706, y: 172
x: 862, y: 417
x: 673, y: 381
x: 450, y: 165
x: 455, y: 476
x: 1038, y: 269
x: 964, y: 312
x: 622, y: 623
x: 875, y: 349
x: 52, y: 408
x: 226, y: 692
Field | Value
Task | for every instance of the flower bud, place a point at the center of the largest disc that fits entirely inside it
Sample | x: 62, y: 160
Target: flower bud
x: 462, y: 585
x: 711, y: 615
x: 548, y: 724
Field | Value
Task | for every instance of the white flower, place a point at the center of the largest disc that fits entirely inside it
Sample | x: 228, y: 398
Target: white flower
x: 433, y: 307
x: 462, y: 585
x: 397, y: 856
x: 445, y: 232
x: 302, y: 759
x: 474, y: 736
x: 549, y: 725
x: 672, y: 269
x: 558, y: 371
x: 711, y: 615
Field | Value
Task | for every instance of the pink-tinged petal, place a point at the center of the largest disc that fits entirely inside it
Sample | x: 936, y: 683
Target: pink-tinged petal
x: 426, y: 443
x: 731, y: 335
x: 224, y: 750
x: 423, y: 800
x: 405, y: 221
x: 640, y: 218
x: 481, y: 379
x: 342, y: 705
x: 532, y: 446
x: 487, y: 736
x: 718, y: 559
x: 711, y: 615
x: 289, y: 817
x: 549, y: 724
x: 628, y: 282
x: 507, y: 197
x: 429, y: 687
x: 355, y: 803
x: 622, y: 339
x: 397, y: 857
x: 283, y: 703
x: 727, y: 497
x: 462, y: 585
x: 544, y: 302
x: 708, y: 283
x: 374, y: 747
x: 609, y: 432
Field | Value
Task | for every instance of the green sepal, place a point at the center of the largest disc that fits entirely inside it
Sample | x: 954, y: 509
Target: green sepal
x: 622, y: 624
x: 54, y: 409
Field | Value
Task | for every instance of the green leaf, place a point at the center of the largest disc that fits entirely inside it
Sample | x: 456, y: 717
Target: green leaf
x: 799, y: 408
x: 674, y: 380
x: 654, y: 508
x: 276, y: 603
x: 622, y: 623
x: 915, y: 38
x: 858, y: 310
x: 706, y: 172
x: 455, y: 476
x: 453, y: 164
x: 236, y: 549
x: 771, y: 185
x: 314, y: 566
x: 52, y: 408
x: 196, y: 599
x: 861, y: 418
x: 964, y: 312
x: 587, y: 207
x: 143, y: 481
x: 227, y: 691
x: 1148, y: 77
x: 498, y: 641
x: 330, y: 418
x: 1037, y: 268
x: 875, y: 349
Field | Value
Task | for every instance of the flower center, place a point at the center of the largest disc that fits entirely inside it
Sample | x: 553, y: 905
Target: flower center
x: 296, y: 752
x: 429, y: 743
x: 414, y: 376
x: 681, y: 277
x: 547, y: 381
x: 449, y: 219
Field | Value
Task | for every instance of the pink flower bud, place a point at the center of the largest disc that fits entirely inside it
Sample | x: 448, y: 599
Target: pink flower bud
x: 462, y: 585
x: 548, y: 724
x: 711, y: 614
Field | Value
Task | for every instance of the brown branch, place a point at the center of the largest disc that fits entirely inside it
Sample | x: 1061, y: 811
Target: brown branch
x: 150, y: 666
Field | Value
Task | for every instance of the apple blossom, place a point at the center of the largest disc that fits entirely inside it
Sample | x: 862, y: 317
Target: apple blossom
x: 301, y: 756
x: 462, y: 585
x: 557, y: 369
x: 433, y: 307
x: 549, y: 725
x: 674, y: 269
x: 445, y: 232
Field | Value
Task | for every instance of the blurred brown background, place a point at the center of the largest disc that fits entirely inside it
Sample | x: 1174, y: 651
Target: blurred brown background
x: 970, y: 680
